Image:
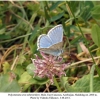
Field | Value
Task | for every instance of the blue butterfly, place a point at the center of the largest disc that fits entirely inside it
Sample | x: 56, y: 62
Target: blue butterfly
x: 52, y: 42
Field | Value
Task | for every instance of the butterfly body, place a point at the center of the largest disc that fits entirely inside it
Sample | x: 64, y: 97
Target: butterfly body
x: 52, y: 42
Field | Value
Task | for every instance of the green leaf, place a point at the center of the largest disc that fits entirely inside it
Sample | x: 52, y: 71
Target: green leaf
x: 64, y: 82
x: 25, y: 77
x: 55, y: 5
x: 38, y: 80
x: 33, y: 8
x: 30, y: 69
x: 85, y: 9
x: 33, y: 35
x: 98, y: 52
x: 96, y: 34
x: 3, y: 36
x: 27, y: 80
x: 74, y: 6
x: 96, y: 12
x: 32, y: 38
x: 79, y: 49
x: 19, y: 70
x: 66, y: 85
x: 58, y: 16
x: 98, y: 70
x: 83, y: 85
x: 2, y: 30
x: 76, y: 40
x: 6, y: 67
x: 8, y: 85
x: 21, y: 59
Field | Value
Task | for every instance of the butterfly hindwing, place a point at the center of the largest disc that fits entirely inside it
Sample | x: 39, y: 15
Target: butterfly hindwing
x: 55, y: 49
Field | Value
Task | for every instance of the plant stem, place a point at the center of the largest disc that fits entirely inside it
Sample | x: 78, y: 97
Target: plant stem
x: 57, y: 85
x: 76, y: 63
x: 15, y: 38
x: 91, y: 77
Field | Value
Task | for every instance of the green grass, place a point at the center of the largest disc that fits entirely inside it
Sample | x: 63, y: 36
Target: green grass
x: 21, y: 23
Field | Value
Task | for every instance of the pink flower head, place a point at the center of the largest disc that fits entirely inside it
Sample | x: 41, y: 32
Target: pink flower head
x: 49, y: 66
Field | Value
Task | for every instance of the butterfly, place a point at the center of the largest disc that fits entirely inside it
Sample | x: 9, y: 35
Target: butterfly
x: 52, y: 42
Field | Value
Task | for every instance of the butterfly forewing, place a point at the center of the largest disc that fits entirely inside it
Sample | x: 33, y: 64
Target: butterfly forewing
x: 56, y: 34
x: 44, y: 41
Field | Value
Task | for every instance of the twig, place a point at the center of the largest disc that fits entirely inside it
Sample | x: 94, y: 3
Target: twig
x: 15, y: 38
x: 12, y: 2
x: 47, y: 88
x: 81, y: 62
x: 12, y: 67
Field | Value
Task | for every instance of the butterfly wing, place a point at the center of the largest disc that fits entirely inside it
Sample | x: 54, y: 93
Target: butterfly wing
x: 56, y: 34
x: 52, y: 42
x: 55, y: 49
x: 43, y: 41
